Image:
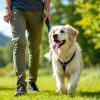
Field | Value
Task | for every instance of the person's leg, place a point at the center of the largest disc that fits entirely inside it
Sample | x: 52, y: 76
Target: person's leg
x: 18, y: 27
x: 35, y: 25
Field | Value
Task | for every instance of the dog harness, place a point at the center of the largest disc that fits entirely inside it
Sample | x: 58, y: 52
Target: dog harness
x: 65, y: 63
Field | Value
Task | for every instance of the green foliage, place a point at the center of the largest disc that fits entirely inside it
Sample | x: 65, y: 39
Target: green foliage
x: 7, y: 70
x: 90, y: 24
x: 5, y: 55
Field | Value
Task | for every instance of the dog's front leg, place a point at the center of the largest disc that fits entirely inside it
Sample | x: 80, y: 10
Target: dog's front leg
x: 73, y: 83
x: 60, y: 83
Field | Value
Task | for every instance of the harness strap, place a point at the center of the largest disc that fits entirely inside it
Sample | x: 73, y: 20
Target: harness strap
x: 65, y: 63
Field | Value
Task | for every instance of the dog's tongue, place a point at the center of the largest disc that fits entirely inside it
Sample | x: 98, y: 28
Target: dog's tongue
x: 55, y: 45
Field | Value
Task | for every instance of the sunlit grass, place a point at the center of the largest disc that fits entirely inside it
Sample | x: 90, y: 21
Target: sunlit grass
x: 88, y: 87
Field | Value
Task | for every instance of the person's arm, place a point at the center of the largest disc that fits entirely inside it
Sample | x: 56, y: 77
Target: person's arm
x: 47, y: 8
x: 7, y: 16
x: 7, y: 4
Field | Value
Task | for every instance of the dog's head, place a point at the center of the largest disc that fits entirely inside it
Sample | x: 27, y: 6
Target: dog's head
x: 61, y: 35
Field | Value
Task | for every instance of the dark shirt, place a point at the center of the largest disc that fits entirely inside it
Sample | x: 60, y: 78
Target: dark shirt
x: 27, y: 4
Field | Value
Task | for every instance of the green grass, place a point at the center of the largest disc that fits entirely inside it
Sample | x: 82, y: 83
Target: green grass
x: 88, y: 87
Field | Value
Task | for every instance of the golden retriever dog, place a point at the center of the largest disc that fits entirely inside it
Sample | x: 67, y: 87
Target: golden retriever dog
x: 66, y: 57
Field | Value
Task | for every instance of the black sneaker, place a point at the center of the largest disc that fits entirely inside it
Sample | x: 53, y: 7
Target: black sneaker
x: 21, y: 90
x: 33, y: 87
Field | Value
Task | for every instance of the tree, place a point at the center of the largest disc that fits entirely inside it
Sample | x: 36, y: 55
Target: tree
x: 90, y: 24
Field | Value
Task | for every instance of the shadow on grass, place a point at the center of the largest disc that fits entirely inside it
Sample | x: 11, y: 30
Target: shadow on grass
x: 90, y: 94
x: 51, y: 92
x: 47, y: 92
x: 6, y: 88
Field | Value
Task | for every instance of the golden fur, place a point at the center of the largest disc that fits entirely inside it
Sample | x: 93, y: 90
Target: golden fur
x: 73, y: 69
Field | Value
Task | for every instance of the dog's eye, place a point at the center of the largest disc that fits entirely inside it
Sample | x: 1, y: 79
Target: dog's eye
x: 62, y: 31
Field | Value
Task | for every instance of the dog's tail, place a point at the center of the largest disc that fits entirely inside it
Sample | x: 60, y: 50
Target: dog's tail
x: 48, y: 56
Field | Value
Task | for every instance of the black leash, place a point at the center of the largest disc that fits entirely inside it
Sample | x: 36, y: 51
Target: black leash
x: 47, y: 22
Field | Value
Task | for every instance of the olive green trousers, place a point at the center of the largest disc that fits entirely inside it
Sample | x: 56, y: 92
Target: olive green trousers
x: 32, y: 21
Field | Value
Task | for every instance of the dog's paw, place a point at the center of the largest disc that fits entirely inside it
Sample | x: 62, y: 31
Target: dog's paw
x: 69, y: 92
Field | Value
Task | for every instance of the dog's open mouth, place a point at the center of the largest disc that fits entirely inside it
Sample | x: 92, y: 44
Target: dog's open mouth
x: 57, y: 44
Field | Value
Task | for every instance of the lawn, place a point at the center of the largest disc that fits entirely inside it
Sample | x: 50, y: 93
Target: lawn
x: 88, y: 87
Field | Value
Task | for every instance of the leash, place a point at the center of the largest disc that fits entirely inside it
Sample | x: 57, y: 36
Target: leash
x: 47, y: 22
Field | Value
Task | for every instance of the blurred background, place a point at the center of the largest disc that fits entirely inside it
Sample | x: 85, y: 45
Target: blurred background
x: 81, y: 14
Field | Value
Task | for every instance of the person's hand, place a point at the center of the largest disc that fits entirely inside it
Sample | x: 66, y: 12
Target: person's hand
x: 46, y: 14
x: 7, y: 16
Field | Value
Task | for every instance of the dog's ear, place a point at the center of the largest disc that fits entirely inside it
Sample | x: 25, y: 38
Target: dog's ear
x: 51, y: 32
x: 72, y: 32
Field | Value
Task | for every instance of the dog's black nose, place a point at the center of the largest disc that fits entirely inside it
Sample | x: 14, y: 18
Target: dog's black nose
x: 55, y: 36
